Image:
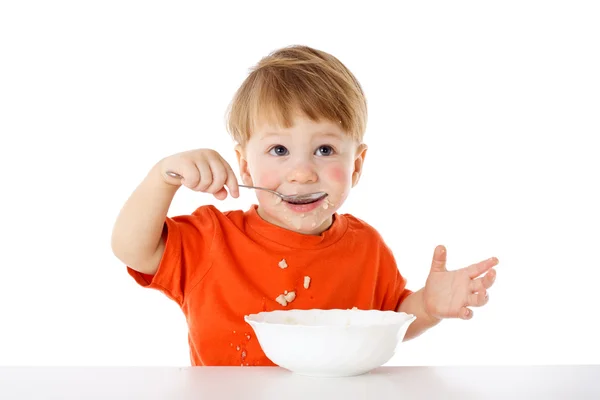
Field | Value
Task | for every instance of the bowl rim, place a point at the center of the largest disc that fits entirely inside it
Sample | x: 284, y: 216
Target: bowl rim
x: 409, y: 318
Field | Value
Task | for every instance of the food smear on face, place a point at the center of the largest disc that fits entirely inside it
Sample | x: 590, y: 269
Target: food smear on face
x: 297, y: 224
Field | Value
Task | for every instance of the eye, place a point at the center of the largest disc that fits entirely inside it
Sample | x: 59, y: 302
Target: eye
x: 278, y: 151
x: 325, y: 151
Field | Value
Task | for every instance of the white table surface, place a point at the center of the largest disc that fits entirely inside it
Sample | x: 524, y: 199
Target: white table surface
x: 244, y: 383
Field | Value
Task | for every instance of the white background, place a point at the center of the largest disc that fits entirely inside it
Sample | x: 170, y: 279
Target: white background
x: 484, y: 118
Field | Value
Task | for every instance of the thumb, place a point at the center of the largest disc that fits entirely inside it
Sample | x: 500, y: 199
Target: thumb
x: 439, y: 259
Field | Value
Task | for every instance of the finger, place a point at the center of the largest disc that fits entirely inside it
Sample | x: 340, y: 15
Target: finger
x: 191, y: 175
x: 477, y: 269
x: 478, y: 299
x: 483, y: 283
x: 439, y: 259
x: 477, y: 285
x: 232, y: 182
x: 465, y: 313
x: 205, y: 176
x: 489, y: 279
x: 221, y: 194
x: 219, y: 174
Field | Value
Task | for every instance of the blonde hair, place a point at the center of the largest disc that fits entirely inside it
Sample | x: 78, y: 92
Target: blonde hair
x: 298, y: 78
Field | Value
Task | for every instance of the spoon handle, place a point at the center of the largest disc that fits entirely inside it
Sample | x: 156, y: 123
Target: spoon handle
x: 176, y: 175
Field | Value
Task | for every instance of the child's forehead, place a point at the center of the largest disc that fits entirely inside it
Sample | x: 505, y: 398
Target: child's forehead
x: 296, y: 123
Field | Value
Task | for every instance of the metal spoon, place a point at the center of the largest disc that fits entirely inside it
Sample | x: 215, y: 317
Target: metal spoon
x: 293, y: 198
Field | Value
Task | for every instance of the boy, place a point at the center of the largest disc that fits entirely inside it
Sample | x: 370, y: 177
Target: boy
x: 298, y: 121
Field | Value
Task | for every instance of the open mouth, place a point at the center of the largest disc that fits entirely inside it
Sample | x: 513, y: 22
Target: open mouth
x: 303, y: 201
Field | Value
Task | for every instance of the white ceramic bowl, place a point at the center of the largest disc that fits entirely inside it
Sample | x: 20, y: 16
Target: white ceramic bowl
x: 330, y: 343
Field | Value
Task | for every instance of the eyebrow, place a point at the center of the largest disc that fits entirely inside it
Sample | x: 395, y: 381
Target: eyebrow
x: 330, y: 134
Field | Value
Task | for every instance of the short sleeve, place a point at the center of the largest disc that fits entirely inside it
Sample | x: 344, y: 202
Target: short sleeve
x: 394, y: 283
x: 398, y: 292
x: 187, y: 255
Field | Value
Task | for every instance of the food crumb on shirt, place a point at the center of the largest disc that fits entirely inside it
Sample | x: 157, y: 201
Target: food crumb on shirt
x: 283, y: 264
x: 281, y: 300
x: 306, y: 282
x: 289, y: 297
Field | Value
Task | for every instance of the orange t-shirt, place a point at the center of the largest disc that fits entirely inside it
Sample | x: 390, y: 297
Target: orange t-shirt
x: 219, y: 266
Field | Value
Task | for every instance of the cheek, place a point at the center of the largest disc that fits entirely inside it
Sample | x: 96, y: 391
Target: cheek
x: 337, y: 175
x: 267, y: 179
x: 263, y: 174
x: 340, y: 180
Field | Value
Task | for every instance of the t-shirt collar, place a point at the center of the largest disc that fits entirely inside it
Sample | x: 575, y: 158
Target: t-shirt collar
x: 294, y: 239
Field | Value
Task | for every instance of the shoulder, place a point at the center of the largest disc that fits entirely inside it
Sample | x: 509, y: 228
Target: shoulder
x: 364, y: 233
x: 360, y: 227
x: 210, y: 217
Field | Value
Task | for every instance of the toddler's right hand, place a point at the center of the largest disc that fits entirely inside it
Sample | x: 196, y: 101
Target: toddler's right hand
x: 203, y: 170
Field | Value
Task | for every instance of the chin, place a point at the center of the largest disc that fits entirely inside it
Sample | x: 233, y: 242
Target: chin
x: 307, y: 225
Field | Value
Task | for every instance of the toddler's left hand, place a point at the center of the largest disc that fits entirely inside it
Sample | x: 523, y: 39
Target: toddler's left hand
x: 447, y: 294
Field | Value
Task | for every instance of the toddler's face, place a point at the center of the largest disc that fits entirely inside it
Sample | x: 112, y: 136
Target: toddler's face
x: 308, y: 157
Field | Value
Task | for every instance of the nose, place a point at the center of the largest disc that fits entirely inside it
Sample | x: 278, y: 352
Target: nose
x: 302, y: 172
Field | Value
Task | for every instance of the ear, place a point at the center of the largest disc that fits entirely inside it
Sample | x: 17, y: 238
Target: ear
x: 361, y: 153
x: 243, y: 164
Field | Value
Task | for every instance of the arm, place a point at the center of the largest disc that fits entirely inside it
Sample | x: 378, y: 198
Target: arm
x: 137, y: 237
x: 413, y: 304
